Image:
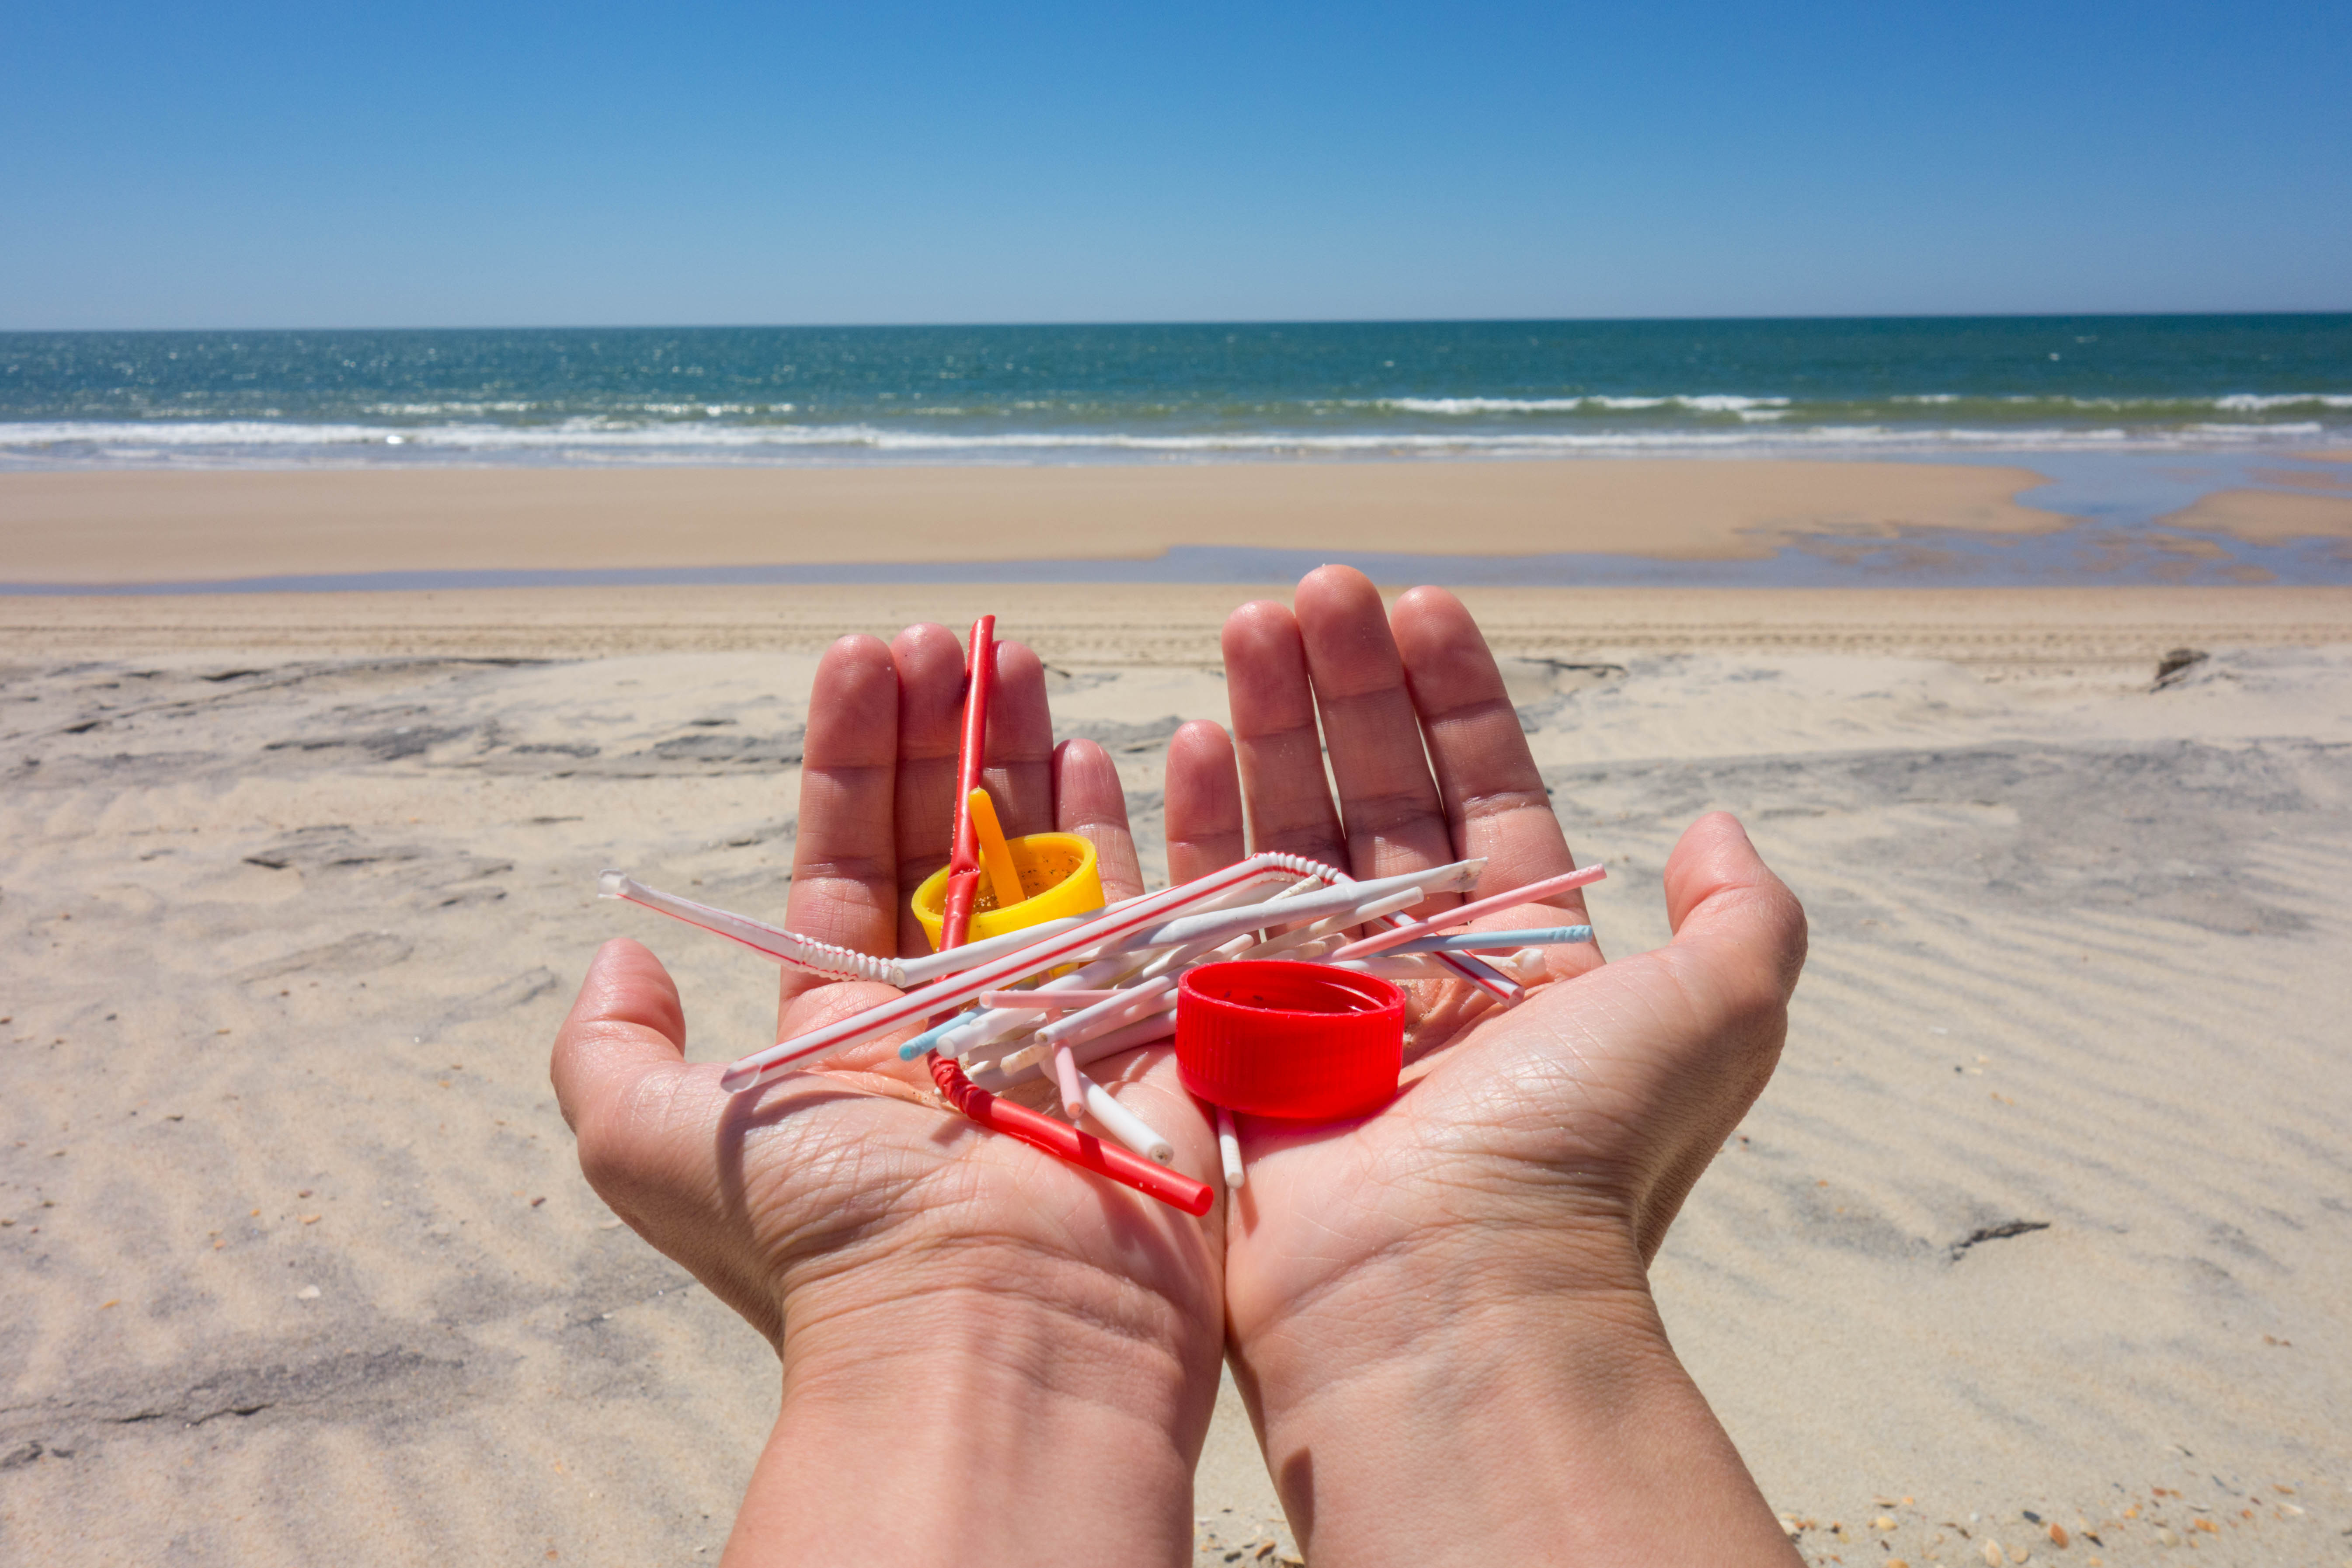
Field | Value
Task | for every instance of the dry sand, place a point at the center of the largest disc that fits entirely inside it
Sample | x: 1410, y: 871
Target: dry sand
x: 133, y: 527
x: 2049, y: 1206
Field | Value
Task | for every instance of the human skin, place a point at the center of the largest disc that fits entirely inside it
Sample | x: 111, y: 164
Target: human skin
x: 1439, y: 1315
x: 987, y: 1355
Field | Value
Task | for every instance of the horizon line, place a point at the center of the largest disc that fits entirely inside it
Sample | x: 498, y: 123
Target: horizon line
x: 1209, y: 322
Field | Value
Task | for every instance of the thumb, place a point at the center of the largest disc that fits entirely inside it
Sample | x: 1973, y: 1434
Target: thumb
x: 619, y: 1067
x: 1739, y: 931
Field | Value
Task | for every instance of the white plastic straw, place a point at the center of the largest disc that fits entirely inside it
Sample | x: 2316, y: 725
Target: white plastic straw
x: 1360, y: 901
x: 1044, y: 1001
x: 761, y: 1066
x: 1005, y: 1072
x: 775, y: 941
x: 1371, y: 900
x: 1345, y: 896
x: 1229, y: 1150
x: 1124, y: 1124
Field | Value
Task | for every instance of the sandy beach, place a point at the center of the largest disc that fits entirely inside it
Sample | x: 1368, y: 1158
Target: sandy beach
x: 2043, y: 1221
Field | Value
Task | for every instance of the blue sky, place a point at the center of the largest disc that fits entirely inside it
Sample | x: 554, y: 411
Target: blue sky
x: 469, y: 164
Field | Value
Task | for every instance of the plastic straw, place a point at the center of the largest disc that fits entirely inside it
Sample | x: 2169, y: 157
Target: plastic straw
x: 1124, y: 1124
x: 761, y: 1066
x: 970, y: 1032
x: 1073, y: 1088
x: 1463, y: 915
x: 775, y: 941
x: 1045, y: 1000
x: 963, y: 860
x: 996, y: 1075
x: 1229, y: 1150
x: 1080, y: 1149
x: 1496, y: 940
x: 1347, y: 896
x: 996, y: 855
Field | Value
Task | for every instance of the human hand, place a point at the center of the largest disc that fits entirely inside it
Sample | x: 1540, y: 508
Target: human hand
x: 1447, y: 1301
x: 1031, y: 1350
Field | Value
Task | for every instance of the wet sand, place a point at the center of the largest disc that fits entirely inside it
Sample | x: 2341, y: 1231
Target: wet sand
x: 128, y: 526
x: 2047, y: 1209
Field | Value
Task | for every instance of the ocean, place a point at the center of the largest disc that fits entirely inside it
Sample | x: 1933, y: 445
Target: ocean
x: 1912, y: 388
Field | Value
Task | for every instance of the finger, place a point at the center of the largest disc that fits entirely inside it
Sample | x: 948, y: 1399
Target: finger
x: 1493, y: 794
x: 845, y: 854
x: 621, y: 1048
x: 1202, y: 809
x: 1739, y: 932
x: 1020, y: 773
x: 1388, y: 801
x: 1275, y: 741
x: 930, y: 665
x: 1088, y: 802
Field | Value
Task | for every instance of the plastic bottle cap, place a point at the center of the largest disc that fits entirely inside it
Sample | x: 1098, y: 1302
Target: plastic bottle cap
x: 1295, y: 1040
x: 1058, y: 871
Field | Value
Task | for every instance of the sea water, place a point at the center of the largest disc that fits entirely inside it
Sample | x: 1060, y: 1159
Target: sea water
x: 1911, y: 387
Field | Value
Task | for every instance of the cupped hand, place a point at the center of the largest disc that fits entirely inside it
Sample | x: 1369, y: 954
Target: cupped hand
x: 905, y: 1263
x: 1412, y: 1271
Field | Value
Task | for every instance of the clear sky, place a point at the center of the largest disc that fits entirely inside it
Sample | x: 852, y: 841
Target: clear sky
x: 472, y: 163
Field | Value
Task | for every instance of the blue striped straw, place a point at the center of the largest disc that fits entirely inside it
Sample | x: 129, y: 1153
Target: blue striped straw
x: 1495, y: 940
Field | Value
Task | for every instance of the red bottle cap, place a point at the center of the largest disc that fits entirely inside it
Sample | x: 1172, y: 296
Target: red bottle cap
x: 1295, y: 1040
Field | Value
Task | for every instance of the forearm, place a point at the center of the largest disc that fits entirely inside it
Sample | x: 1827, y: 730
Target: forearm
x: 978, y: 1428
x: 1555, y: 1430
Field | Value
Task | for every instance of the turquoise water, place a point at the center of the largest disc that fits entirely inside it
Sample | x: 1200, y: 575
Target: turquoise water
x: 1146, y: 394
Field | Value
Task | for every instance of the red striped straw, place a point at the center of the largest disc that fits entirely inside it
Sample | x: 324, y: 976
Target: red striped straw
x: 963, y: 856
x: 1083, y: 1149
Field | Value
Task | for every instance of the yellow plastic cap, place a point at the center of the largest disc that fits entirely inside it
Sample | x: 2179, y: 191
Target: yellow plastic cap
x: 1058, y: 871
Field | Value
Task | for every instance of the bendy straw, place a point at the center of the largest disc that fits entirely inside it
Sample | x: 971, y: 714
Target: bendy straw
x: 969, y: 1032
x: 824, y: 957
x: 1081, y: 1148
x: 1463, y: 915
x: 1495, y: 940
x: 784, y: 946
x: 761, y: 1066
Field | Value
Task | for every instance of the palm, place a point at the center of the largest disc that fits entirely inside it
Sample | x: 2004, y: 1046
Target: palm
x: 761, y: 1195
x: 1597, y: 1101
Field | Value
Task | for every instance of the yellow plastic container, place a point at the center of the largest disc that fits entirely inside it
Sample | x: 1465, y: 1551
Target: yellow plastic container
x: 1057, y: 873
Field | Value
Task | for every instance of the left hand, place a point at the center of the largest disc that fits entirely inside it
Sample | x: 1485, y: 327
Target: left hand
x: 1035, y: 1348
x: 1447, y: 1299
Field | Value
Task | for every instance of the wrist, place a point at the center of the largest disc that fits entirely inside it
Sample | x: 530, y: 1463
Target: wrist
x: 1498, y: 1415
x: 966, y: 1422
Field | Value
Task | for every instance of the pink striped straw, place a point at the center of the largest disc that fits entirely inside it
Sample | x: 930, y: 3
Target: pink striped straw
x: 955, y: 991
x: 1462, y: 914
